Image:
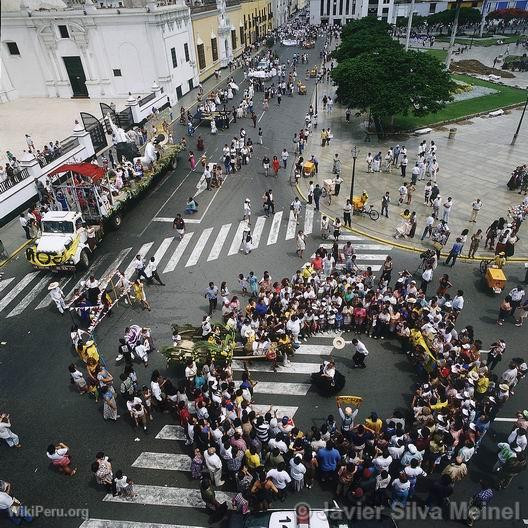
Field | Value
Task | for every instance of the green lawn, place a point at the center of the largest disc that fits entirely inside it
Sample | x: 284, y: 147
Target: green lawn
x: 438, y: 53
x: 458, y: 110
x: 481, y: 42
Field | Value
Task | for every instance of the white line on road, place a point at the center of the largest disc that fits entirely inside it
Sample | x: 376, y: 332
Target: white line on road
x: 142, y: 251
x: 281, y: 410
x: 292, y: 225
x: 116, y: 262
x: 257, y: 231
x: 107, y: 523
x: 275, y: 387
x: 47, y: 300
x: 219, y: 242
x: 350, y: 237
x: 261, y: 116
x: 170, y: 220
x: 178, y: 252
x: 275, y: 227
x: 370, y: 256
x: 308, y: 220
x: 315, y: 350
x: 171, y: 432
x: 30, y: 296
x: 237, y: 240
x: 164, y: 461
x: 505, y: 419
x: 5, y: 283
x: 162, y: 249
x: 368, y: 247
x: 167, y: 496
x: 200, y: 245
x: 292, y: 368
x: 17, y: 289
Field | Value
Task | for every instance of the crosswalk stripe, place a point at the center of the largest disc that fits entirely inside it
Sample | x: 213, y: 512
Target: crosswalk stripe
x: 167, y: 496
x: 282, y: 410
x: 107, y: 523
x: 292, y: 225
x: 219, y: 242
x: 275, y: 227
x: 370, y: 256
x: 237, y: 240
x: 164, y: 461
x: 114, y: 265
x: 257, y: 232
x: 47, y: 300
x: 315, y: 350
x: 362, y: 267
x: 308, y: 220
x: 17, y: 289
x: 171, y: 432
x: 142, y: 251
x: 292, y: 368
x: 5, y: 283
x: 275, y: 387
x: 86, y: 275
x: 30, y: 296
x: 178, y: 252
x: 200, y: 245
x: 367, y: 247
x: 347, y: 237
x: 162, y: 249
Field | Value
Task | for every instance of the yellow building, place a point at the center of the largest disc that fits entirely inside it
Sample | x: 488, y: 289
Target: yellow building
x: 257, y: 19
x: 217, y: 39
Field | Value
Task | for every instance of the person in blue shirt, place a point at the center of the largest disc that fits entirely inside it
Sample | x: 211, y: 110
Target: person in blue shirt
x: 455, y: 252
x: 328, y: 457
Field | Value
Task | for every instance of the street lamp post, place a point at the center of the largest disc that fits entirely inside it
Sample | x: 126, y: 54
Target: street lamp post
x: 355, y: 152
x: 316, y: 97
x: 520, y: 121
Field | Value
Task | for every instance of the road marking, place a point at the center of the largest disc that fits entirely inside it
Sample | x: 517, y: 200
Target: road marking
x: 164, y: 461
x: 315, y: 350
x: 237, y: 240
x: 257, y: 231
x: 308, y: 220
x: 200, y: 245
x: 162, y: 249
x: 261, y: 116
x: 5, y: 283
x: 281, y: 410
x: 219, y: 242
x: 292, y: 226
x: 84, y: 278
x: 171, y: 432
x: 275, y: 227
x: 178, y: 252
x: 142, y: 251
x: 30, y: 296
x: 17, y: 289
x: 350, y: 237
x: 274, y: 387
x: 107, y: 523
x: 167, y: 496
x: 47, y: 300
x: 370, y: 256
x: 368, y: 247
x: 292, y: 368
x: 505, y: 419
x: 114, y: 265
x: 170, y: 220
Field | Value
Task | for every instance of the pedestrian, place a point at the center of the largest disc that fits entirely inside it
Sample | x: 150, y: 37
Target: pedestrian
x: 476, y: 239
x: 517, y: 295
x: 475, y: 208
x: 504, y: 310
x: 385, y: 201
x: 427, y: 277
x: 247, y: 211
x: 151, y: 272
x: 275, y: 165
x: 208, y: 177
x: 428, y: 229
x: 77, y: 378
x: 297, y: 472
x: 60, y: 457
x: 317, y: 195
x: 360, y: 353
x: 336, y: 225
x: 57, y: 296
x: 447, y: 208
x: 25, y: 225
x: 211, y: 294
x: 179, y: 225
x: 491, y: 235
x: 139, y: 267
x: 214, y: 466
x: 124, y: 487
x: 301, y: 243
x: 479, y: 501
x: 456, y: 250
x: 347, y: 214
x: 295, y: 207
x: 6, y: 434
x: 254, y: 119
x: 260, y: 136
x: 192, y: 161
x: 337, y: 181
x: 284, y: 157
x: 403, y: 193
x: 140, y: 295
x: 521, y: 313
x: 325, y: 227
x: 266, y: 165
x: 403, y: 165
x: 247, y: 244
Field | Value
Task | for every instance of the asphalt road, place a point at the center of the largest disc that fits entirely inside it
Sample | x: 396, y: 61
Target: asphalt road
x: 34, y: 382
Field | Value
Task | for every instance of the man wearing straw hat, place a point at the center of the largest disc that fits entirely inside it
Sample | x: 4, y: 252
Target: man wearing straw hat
x: 57, y: 296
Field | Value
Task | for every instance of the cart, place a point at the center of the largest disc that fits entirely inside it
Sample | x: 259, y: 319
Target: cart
x: 308, y: 169
x: 495, y: 279
x: 302, y: 89
x: 313, y: 72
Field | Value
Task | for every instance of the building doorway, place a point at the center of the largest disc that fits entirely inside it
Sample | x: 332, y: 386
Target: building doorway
x: 75, y: 71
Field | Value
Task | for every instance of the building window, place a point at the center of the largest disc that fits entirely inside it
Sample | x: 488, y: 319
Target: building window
x: 327, y: 7
x: 186, y: 51
x: 117, y: 73
x: 63, y: 32
x: 340, y: 7
x: 174, y: 59
x: 432, y: 8
x: 13, y: 48
x: 201, y: 56
x: 233, y: 39
x: 214, y: 49
x: 242, y: 40
x: 334, y: 9
x: 321, y: 8
x: 347, y: 7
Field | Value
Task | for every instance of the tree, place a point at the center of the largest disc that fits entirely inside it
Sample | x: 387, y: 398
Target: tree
x: 364, y: 35
x: 507, y: 15
x: 417, y: 21
x: 391, y: 82
x: 468, y: 15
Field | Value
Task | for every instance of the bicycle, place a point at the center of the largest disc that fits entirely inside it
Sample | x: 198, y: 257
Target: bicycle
x: 370, y: 212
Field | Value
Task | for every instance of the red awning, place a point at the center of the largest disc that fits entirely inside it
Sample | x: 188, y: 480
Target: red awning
x: 94, y: 172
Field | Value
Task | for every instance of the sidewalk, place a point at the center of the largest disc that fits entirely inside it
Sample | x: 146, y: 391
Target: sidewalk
x: 476, y: 164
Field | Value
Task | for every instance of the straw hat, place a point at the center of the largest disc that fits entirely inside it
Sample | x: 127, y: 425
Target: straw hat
x: 53, y: 285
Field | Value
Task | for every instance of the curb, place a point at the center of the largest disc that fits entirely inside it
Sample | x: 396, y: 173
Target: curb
x: 405, y: 247
x: 15, y: 253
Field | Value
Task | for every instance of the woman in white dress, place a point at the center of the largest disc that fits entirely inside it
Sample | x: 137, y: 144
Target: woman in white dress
x: 301, y: 243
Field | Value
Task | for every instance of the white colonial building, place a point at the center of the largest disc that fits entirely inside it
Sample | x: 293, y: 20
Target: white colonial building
x: 341, y: 12
x: 49, y: 49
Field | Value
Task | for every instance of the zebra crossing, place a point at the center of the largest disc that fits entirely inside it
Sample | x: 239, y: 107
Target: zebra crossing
x: 161, y: 463
x: 208, y: 245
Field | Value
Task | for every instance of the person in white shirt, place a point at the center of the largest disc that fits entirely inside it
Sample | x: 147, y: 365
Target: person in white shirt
x: 247, y: 211
x: 139, y: 267
x: 214, y: 466
x: 279, y: 476
x: 151, y: 272
x: 297, y: 471
x: 476, y: 206
x: 517, y: 440
x: 57, y: 296
x: 360, y: 353
x: 6, y: 434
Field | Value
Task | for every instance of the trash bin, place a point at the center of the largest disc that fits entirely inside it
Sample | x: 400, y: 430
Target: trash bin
x: 452, y: 133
